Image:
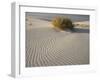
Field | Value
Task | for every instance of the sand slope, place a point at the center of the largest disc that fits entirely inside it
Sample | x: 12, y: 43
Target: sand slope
x: 48, y: 47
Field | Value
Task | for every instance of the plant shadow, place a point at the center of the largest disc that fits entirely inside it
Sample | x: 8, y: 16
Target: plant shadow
x: 79, y: 30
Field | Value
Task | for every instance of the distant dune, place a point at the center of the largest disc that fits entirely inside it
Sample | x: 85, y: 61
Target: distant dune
x: 47, y: 47
x: 50, y: 16
x: 82, y: 23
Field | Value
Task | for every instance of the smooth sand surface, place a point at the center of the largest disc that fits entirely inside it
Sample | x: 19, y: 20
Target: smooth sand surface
x: 46, y: 46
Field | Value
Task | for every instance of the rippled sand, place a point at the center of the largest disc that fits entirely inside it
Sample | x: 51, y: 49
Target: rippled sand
x: 47, y: 47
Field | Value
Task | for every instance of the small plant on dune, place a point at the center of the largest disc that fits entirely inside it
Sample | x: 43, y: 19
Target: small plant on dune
x: 62, y: 23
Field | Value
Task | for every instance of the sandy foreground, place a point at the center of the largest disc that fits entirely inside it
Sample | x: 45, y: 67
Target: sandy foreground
x: 46, y: 46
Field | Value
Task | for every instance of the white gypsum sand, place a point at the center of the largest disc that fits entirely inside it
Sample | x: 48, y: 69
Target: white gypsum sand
x: 82, y: 23
x: 47, y: 47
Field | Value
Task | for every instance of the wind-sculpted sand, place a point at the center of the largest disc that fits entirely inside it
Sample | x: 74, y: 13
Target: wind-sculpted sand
x: 46, y: 46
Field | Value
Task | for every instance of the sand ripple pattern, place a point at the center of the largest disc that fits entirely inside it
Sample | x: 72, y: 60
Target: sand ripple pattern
x: 46, y: 47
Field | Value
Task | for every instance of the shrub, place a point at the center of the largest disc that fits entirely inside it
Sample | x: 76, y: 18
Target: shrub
x: 62, y: 23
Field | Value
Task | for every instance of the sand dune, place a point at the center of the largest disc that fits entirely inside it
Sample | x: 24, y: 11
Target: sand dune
x: 82, y: 23
x: 37, y: 23
x: 48, y: 47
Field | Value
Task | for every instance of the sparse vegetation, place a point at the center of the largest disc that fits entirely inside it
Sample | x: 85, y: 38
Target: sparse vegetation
x: 62, y: 23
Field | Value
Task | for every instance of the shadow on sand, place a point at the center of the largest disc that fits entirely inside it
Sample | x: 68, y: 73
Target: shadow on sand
x: 79, y: 30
